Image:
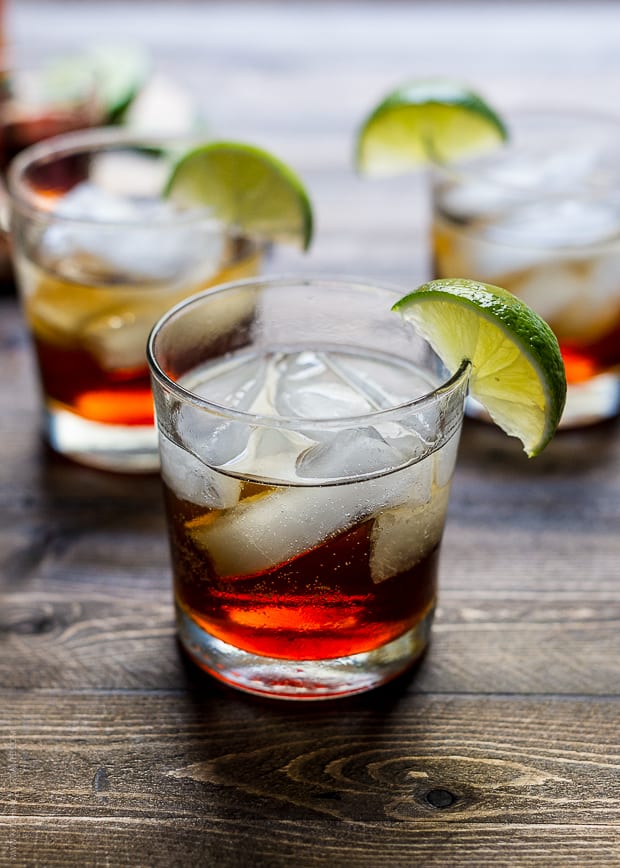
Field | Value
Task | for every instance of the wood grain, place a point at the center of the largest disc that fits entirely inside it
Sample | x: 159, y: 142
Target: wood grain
x: 482, y: 642
x: 357, y: 780
x: 502, y: 747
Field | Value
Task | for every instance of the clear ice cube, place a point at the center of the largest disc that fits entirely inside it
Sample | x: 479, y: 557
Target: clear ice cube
x: 564, y: 222
x: 308, y: 388
x: 268, y: 453
x: 268, y: 530
x: 401, y: 537
x: 235, y: 384
x: 330, y: 385
x: 213, y: 439
x: 591, y: 310
x: 117, y: 337
x: 126, y: 244
x: 552, y: 288
x: 351, y: 453
x: 245, y: 384
x: 190, y: 479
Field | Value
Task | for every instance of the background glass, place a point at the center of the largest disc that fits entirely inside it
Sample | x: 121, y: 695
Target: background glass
x: 99, y: 256
x: 308, y: 438
x: 32, y: 110
x: 541, y: 217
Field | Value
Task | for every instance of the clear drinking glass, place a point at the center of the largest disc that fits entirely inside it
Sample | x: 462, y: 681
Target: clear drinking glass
x: 308, y: 438
x: 31, y: 110
x: 541, y: 217
x: 99, y: 256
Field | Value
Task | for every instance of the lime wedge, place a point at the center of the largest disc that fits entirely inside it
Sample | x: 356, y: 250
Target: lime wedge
x: 245, y: 187
x: 121, y: 72
x: 116, y: 73
x: 426, y: 120
x: 517, y: 372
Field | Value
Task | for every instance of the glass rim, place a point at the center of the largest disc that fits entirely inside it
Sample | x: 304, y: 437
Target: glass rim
x: 537, y: 118
x: 93, y: 140
x: 448, y: 385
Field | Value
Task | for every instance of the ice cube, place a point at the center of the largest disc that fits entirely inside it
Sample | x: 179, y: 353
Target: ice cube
x: 518, y: 222
x: 350, y: 453
x: 543, y: 170
x: 234, y: 384
x: 268, y: 530
x: 132, y: 241
x: 380, y: 383
x: 445, y: 460
x: 479, y: 199
x: 215, y: 440
x: 308, y: 388
x: 117, y: 337
x: 246, y: 384
x: 269, y: 453
x: 469, y: 253
x: 123, y: 173
x: 193, y: 481
x: 403, y: 536
x: 55, y: 313
x: 87, y: 201
x: 562, y: 222
x: 551, y: 289
x: 592, y: 313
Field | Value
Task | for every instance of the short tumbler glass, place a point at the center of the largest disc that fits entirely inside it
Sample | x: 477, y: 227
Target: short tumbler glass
x: 100, y: 255
x: 308, y: 438
x: 541, y: 217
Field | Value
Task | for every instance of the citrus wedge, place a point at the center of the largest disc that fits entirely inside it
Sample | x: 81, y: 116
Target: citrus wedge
x: 426, y: 120
x: 116, y: 73
x: 121, y: 72
x: 517, y: 372
x: 245, y: 187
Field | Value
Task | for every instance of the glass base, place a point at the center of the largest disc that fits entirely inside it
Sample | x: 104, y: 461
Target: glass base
x: 586, y: 403
x: 119, y: 448
x: 302, y: 679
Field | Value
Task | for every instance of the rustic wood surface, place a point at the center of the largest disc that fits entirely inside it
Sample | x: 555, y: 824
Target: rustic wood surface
x: 503, y: 746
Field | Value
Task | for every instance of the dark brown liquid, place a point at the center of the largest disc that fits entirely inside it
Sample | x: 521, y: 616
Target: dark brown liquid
x: 72, y: 377
x: 321, y: 604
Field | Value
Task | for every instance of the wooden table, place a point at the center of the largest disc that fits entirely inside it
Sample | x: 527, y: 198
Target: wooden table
x: 503, y: 746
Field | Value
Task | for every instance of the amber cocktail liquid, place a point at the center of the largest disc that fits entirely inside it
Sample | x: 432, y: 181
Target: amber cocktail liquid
x: 99, y: 257
x: 90, y: 338
x: 305, y: 518
x: 324, y: 602
x: 541, y: 217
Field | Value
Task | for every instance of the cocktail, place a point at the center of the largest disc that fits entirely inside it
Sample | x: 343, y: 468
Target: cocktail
x: 33, y: 109
x: 541, y: 217
x: 531, y: 203
x: 94, y: 87
x: 308, y: 437
x: 105, y: 239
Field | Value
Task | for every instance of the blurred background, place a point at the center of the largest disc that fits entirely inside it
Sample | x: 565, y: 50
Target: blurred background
x: 298, y: 77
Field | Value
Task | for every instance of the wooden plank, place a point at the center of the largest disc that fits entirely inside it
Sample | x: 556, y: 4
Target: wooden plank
x: 413, y: 777
x: 483, y: 642
x: 178, y: 842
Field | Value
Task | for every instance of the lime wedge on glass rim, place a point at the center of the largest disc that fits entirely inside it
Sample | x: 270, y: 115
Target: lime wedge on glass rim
x: 247, y: 188
x: 427, y: 120
x: 517, y: 372
x: 116, y: 73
